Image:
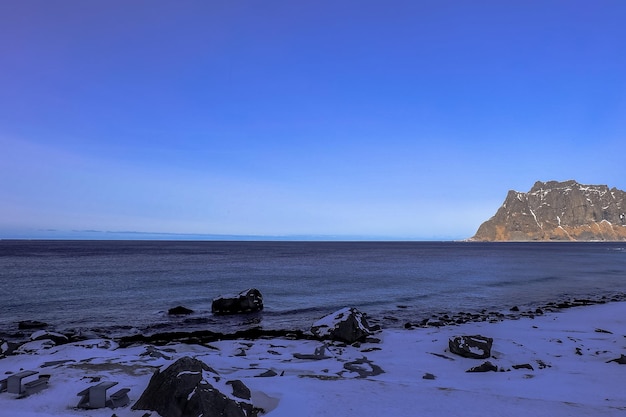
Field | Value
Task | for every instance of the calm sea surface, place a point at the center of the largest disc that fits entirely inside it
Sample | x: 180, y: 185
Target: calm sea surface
x: 120, y: 286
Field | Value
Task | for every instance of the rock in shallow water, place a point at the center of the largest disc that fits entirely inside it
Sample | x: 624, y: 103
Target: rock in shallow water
x: 179, y: 311
x: 248, y: 301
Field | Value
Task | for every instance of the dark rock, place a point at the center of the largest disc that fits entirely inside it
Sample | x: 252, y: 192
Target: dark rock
x: 524, y: 366
x: 485, y: 367
x: 542, y: 364
x: 155, y: 353
x: 429, y: 376
x: 357, y: 366
x: 621, y: 360
x: 514, y: 308
x: 240, y: 390
x: 346, y: 325
x: 603, y: 331
x: 474, y: 347
x: 187, y: 389
x: 248, y: 301
x: 179, y: 311
x: 57, y: 338
x: 203, y: 337
x: 31, y: 324
x: 267, y: 374
x: 439, y: 355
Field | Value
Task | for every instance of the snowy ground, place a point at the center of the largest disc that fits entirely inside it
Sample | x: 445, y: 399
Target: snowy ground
x: 567, y: 351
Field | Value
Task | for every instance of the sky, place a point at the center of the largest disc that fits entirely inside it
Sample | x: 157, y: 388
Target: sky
x: 300, y: 119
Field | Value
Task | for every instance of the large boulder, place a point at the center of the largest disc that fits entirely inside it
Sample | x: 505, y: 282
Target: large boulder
x: 474, y: 347
x: 190, y: 388
x: 248, y: 301
x: 346, y: 325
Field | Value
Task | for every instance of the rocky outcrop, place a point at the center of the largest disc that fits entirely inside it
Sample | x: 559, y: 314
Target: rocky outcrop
x: 248, y: 301
x: 346, y: 325
x: 190, y: 388
x: 553, y: 211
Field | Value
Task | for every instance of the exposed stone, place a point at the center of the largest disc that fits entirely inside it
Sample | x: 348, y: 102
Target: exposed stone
x: 621, y: 360
x: 485, y: 367
x: 179, y: 311
x: 559, y: 211
x: 524, y: 366
x: 364, y: 367
x: 31, y: 324
x: 247, y: 301
x: 346, y: 325
x: 188, y: 388
x: 603, y: 331
x: 240, y: 390
x: 57, y: 338
x: 474, y: 347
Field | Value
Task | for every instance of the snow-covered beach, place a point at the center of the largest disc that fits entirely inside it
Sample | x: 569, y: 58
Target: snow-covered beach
x: 557, y: 364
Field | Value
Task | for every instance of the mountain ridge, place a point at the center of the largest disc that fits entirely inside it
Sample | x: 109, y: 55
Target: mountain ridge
x: 558, y: 211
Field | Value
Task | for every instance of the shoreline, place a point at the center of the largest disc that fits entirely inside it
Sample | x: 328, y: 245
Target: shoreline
x: 252, y: 327
x: 557, y: 363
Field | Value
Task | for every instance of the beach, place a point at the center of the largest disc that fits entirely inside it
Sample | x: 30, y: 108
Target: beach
x: 557, y: 364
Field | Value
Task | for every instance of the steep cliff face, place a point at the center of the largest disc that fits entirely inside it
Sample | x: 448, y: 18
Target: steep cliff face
x: 558, y: 211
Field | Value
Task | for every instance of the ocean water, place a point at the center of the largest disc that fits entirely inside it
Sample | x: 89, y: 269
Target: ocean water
x: 120, y: 287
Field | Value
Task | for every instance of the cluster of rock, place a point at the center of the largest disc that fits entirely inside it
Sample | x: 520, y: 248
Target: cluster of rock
x: 247, y: 301
x: 190, y: 387
x: 558, y: 211
x: 478, y: 347
x: 514, y: 313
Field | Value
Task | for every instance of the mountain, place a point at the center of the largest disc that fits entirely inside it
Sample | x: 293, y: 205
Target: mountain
x: 558, y: 211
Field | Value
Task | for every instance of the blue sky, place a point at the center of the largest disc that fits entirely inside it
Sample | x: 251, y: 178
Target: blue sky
x: 395, y: 119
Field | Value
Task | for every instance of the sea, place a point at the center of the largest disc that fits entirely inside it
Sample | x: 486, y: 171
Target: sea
x: 118, y: 288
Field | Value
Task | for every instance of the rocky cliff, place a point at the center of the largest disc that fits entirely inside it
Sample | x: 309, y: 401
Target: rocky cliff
x: 558, y: 211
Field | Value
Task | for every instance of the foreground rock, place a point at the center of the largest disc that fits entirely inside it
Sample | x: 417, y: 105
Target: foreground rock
x: 248, y: 301
x: 473, y: 347
x: 346, y: 325
x: 485, y: 367
x: 559, y: 211
x: 189, y: 388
